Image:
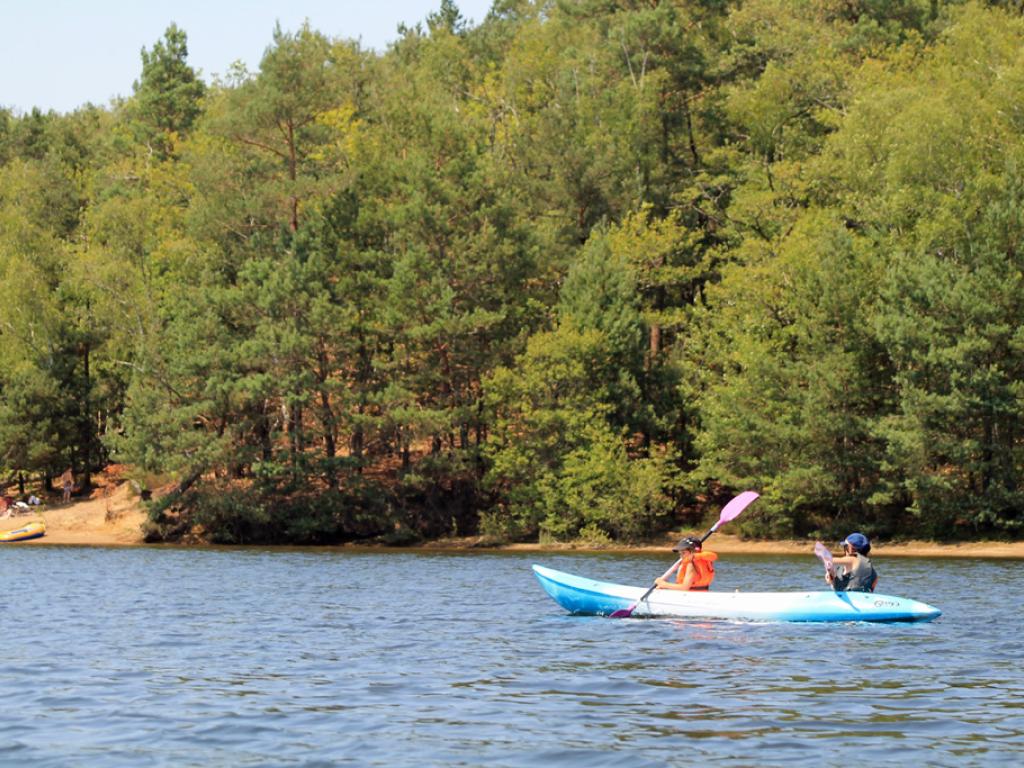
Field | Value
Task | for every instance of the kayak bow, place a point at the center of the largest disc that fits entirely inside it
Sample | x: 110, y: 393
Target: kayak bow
x: 599, y: 598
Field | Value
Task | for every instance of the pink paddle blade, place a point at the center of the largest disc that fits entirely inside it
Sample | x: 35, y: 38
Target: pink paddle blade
x: 737, y: 505
x: 822, y: 551
x: 826, y: 557
x: 732, y: 510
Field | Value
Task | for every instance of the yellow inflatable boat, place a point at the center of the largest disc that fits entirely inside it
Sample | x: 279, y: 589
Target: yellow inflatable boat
x: 32, y: 530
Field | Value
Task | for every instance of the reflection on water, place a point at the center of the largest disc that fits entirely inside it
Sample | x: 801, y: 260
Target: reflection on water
x: 207, y: 657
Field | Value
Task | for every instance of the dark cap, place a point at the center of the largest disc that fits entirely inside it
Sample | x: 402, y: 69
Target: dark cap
x: 688, y: 543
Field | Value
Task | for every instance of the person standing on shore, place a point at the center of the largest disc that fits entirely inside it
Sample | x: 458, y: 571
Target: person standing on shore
x: 853, y: 572
x: 67, y: 482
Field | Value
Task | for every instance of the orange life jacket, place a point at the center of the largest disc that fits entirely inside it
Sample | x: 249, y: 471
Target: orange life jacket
x: 704, y: 566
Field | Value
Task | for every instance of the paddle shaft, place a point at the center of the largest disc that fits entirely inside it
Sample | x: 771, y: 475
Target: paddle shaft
x: 730, y: 512
x: 654, y: 586
x: 665, y: 575
x: 669, y: 572
x: 713, y: 529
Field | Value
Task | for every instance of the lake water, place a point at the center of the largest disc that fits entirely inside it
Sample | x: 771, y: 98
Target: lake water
x: 176, y: 657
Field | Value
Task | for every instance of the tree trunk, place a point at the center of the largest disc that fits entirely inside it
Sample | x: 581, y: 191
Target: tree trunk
x: 693, y: 141
x: 86, y: 433
x: 655, y: 342
x: 358, y: 442
x: 293, y: 173
x: 327, y: 417
x: 295, y: 438
x: 263, y: 431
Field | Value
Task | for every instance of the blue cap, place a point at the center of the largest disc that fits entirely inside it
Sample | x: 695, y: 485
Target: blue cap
x: 859, y: 542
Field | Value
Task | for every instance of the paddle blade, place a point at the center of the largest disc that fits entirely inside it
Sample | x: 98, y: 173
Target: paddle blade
x: 826, y: 557
x: 732, y: 510
x: 822, y: 551
x: 623, y: 613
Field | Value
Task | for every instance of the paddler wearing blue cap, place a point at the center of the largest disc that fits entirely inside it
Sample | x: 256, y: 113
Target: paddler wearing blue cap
x: 853, y: 571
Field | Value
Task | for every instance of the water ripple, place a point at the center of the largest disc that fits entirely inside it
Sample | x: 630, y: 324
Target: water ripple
x: 160, y: 657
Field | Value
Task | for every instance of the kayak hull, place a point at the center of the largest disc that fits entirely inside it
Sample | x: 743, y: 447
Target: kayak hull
x: 26, y: 532
x: 584, y: 596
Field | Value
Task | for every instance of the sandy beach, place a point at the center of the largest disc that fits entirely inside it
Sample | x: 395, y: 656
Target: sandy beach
x: 113, y: 516
x: 724, y: 544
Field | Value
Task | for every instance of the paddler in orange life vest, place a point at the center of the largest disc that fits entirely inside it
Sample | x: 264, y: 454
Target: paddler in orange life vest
x: 696, y: 568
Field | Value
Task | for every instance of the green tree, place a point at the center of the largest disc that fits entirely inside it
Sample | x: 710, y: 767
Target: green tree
x: 789, y: 380
x: 865, y: 343
x: 940, y: 196
x: 563, y: 456
x: 48, y: 349
x: 168, y: 95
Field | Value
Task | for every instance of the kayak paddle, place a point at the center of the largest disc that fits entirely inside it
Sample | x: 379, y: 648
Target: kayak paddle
x: 729, y: 512
x: 625, y: 613
x: 826, y: 558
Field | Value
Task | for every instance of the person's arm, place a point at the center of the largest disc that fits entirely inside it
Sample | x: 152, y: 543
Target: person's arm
x: 662, y: 582
x: 841, y: 567
x: 684, y: 585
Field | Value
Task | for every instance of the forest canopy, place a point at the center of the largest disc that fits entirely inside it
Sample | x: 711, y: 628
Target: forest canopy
x: 581, y: 271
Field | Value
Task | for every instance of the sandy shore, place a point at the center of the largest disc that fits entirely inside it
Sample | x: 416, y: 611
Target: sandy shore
x: 113, y: 516
x: 725, y: 544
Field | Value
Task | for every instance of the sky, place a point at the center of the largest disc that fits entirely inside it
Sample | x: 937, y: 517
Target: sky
x: 60, y: 54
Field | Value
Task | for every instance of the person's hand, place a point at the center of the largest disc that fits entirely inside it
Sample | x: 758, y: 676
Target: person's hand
x: 660, y: 581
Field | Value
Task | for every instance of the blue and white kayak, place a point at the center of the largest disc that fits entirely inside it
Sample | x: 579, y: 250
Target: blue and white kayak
x: 600, y: 598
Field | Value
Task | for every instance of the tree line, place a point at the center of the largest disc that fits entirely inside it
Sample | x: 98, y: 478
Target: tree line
x: 577, y: 272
